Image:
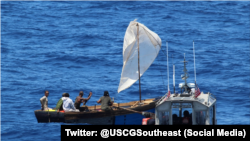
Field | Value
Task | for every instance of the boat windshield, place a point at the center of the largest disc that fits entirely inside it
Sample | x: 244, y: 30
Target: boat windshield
x: 181, y: 113
x: 164, y: 118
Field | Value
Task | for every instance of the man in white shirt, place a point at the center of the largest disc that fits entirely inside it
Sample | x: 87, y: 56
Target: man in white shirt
x: 44, y: 101
x: 68, y: 105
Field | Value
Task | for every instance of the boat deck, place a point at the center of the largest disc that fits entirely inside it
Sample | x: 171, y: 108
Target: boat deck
x: 132, y: 104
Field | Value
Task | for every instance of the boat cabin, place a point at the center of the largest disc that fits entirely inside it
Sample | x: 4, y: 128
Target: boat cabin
x: 184, y: 109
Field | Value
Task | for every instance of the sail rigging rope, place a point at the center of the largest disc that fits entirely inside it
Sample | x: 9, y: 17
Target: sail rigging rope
x: 161, y: 75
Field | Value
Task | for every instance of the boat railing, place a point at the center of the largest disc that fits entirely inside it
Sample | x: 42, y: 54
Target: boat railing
x: 161, y: 100
x: 213, y: 95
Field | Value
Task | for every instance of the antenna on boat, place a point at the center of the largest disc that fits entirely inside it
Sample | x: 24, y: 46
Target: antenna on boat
x: 194, y: 64
x: 138, y: 60
x: 185, y: 75
x: 173, y: 74
x: 167, y: 64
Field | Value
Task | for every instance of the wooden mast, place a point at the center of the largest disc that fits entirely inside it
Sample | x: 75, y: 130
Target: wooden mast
x: 139, y: 61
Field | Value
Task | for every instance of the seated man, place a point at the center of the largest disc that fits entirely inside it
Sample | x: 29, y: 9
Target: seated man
x: 59, y: 105
x: 175, y: 119
x: 80, y: 100
x: 185, y: 119
x: 68, y: 104
x: 44, y: 101
x: 105, y: 101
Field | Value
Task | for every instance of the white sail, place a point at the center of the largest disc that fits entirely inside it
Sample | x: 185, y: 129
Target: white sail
x: 149, y: 47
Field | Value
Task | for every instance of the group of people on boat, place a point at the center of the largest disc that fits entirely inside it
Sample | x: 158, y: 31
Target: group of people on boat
x: 186, y: 120
x: 66, y: 104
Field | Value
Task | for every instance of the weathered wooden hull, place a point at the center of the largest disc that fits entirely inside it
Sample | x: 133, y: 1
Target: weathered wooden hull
x: 97, y: 117
x: 43, y: 116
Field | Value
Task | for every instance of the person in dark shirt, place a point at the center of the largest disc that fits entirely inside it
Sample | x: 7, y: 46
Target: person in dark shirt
x: 105, y: 101
x: 186, y: 118
x: 80, y: 100
x: 175, y: 119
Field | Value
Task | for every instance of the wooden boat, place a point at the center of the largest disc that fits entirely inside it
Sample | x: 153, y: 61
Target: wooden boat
x: 140, y: 43
x: 120, y: 114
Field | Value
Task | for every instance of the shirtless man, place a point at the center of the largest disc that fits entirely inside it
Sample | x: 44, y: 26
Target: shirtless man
x: 80, y: 100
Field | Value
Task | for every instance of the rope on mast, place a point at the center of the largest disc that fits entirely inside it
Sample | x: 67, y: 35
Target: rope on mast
x: 161, y: 75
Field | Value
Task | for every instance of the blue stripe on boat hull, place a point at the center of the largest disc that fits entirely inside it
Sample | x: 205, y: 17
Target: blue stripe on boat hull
x: 131, y: 119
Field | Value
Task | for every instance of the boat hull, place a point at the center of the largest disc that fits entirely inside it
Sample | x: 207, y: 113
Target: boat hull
x: 117, y: 116
x: 127, y: 119
x: 43, y: 116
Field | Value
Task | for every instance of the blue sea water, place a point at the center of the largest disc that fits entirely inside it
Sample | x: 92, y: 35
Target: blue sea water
x: 73, y: 46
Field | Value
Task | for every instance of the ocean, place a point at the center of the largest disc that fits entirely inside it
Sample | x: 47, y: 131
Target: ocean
x: 65, y: 46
